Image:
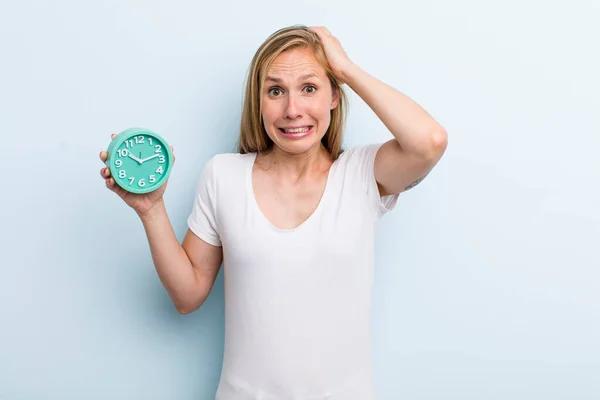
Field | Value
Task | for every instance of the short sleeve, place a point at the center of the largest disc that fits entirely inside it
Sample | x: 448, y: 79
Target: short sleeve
x: 202, y: 220
x: 362, y: 159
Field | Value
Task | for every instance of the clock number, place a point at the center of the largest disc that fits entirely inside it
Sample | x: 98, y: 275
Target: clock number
x: 122, y: 174
x: 118, y: 163
x: 161, y: 159
x: 131, y: 180
x: 129, y: 143
x: 159, y: 170
x: 122, y: 152
x: 141, y: 182
x: 150, y: 141
x: 139, y: 139
x: 152, y: 179
x: 157, y: 147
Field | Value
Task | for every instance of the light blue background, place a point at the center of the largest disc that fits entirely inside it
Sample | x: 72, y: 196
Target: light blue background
x: 487, y: 274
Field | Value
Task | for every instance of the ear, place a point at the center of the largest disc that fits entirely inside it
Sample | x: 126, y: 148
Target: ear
x: 335, y: 99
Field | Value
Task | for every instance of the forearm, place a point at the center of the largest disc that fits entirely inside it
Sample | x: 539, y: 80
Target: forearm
x: 409, y: 123
x: 172, y: 264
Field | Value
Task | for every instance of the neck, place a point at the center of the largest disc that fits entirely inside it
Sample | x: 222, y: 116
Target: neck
x: 298, y: 165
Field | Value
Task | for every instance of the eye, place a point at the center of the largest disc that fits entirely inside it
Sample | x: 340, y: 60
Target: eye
x: 310, y: 89
x: 275, y: 91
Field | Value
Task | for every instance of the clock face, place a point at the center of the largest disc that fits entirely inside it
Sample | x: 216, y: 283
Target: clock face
x: 140, y: 163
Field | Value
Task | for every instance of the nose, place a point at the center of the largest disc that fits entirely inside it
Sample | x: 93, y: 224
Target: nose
x: 292, y: 108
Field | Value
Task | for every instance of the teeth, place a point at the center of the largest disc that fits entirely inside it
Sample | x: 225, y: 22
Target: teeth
x: 297, y: 130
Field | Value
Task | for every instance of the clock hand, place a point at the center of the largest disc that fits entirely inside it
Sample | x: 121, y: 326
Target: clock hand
x: 150, y: 158
x: 134, y: 157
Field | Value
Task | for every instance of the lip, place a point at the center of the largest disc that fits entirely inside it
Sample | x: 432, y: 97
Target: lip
x: 295, y: 135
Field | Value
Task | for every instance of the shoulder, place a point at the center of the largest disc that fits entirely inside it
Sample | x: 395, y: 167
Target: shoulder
x: 222, y: 171
x: 224, y: 164
x: 359, y: 158
x: 356, y: 168
x: 227, y: 160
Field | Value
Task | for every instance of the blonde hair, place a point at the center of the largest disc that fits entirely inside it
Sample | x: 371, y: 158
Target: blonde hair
x: 253, y: 137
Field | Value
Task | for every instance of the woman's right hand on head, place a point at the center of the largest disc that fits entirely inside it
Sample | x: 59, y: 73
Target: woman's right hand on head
x: 141, y: 203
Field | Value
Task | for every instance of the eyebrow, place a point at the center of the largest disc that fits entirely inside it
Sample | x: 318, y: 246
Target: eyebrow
x: 278, y: 80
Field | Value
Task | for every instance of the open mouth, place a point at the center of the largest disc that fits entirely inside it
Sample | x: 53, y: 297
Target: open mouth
x: 296, y: 132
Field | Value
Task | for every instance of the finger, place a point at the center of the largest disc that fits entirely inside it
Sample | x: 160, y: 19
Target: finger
x: 105, y: 173
x: 315, y: 29
x: 119, y: 190
x: 113, y: 136
x: 322, y: 36
x: 110, y: 183
x: 320, y: 30
x: 103, y: 155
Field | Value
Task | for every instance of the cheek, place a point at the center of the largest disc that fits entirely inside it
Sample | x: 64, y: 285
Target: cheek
x: 319, y: 109
x: 270, y: 112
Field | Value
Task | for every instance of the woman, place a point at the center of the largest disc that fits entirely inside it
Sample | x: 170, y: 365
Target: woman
x: 293, y: 218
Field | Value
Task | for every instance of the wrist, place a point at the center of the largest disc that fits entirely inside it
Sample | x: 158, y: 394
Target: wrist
x: 153, y: 212
x: 351, y: 74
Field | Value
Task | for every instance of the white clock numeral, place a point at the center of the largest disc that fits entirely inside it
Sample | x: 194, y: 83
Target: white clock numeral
x: 118, y: 163
x: 129, y: 143
x: 131, y: 180
x: 139, y: 139
x: 152, y: 179
x: 122, y: 174
x: 157, y: 147
x: 161, y: 159
x: 122, y: 152
x: 150, y: 140
x: 159, y: 170
x: 141, y: 182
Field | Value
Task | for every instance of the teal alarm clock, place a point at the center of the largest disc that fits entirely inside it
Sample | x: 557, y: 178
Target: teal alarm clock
x: 139, y: 160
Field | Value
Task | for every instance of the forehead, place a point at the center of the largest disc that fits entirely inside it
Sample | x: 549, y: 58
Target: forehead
x: 295, y: 63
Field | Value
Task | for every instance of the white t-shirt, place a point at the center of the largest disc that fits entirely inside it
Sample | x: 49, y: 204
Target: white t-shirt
x: 297, y: 302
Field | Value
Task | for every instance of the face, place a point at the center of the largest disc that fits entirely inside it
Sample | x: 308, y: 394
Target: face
x: 297, y: 100
x: 141, y: 163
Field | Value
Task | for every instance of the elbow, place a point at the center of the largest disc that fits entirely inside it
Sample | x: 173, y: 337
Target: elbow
x: 189, y: 299
x: 436, y: 143
x: 187, y: 307
x: 439, y: 139
x: 184, y: 310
